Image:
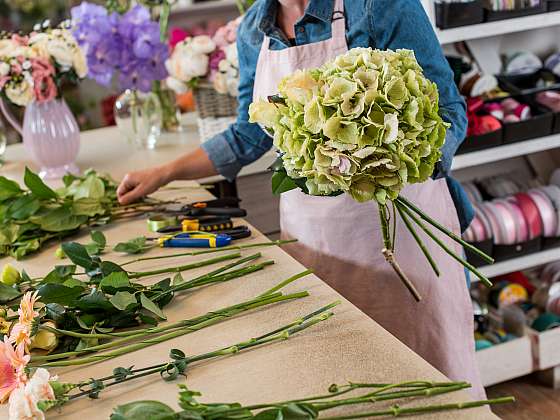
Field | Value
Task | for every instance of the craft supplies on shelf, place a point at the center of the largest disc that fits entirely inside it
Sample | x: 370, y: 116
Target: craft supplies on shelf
x: 451, y: 14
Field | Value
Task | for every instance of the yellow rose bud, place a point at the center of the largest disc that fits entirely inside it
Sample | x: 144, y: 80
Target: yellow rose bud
x: 45, y: 340
x: 59, y: 253
x: 4, y: 326
x: 10, y: 275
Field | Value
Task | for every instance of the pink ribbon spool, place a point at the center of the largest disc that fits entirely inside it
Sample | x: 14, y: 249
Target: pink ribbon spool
x: 549, y: 216
x: 553, y: 193
x: 521, y: 228
x: 507, y: 221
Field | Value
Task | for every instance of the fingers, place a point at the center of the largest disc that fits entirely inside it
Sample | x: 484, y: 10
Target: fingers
x: 129, y: 190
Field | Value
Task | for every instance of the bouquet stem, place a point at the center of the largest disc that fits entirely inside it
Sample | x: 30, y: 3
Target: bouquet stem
x: 389, y: 255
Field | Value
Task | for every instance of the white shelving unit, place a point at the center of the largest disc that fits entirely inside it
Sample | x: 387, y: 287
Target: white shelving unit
x: 521, y: 263
x: 203, y: 6
x: 507, y: 151
x: 501, y: 27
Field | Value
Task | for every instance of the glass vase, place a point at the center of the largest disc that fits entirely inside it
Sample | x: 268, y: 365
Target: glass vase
x: 171, y: 114
x: 139, y: 117
x: 50, y: 135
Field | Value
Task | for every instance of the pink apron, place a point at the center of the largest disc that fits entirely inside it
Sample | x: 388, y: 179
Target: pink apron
x: 341, y: 240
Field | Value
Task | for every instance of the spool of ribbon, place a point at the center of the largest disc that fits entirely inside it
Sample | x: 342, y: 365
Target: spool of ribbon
x: 522, y: 62
x: 551, y: 273
x: 506, y: 219
x: 549, y: 99
x: 504, y: 293
x: 158, y: 222
x: 552, y: 63
x: 548, y: 213
x: 514, y: 320
x: 522, y: 229
x: 553, y: 193
x: 546, y: 322
x: 531, y: 214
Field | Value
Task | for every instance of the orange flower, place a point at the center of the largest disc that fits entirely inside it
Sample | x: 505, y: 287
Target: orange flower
x: 26, y: 311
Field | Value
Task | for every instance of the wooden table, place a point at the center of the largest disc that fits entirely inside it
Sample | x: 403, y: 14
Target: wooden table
x: 348, y: 347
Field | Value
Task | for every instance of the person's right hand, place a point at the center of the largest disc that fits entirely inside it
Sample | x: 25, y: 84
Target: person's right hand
x: 138, y: 184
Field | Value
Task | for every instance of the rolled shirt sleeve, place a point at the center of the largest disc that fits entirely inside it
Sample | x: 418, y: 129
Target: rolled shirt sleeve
x: 243, y: 142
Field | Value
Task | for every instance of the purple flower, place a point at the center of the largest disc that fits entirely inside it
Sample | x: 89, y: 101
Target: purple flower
x: 127, y: 44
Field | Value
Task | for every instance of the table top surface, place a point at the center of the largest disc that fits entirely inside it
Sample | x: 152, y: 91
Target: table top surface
x: 348, y: 347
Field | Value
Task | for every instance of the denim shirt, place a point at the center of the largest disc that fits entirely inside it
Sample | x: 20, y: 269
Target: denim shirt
x: 382, y: 24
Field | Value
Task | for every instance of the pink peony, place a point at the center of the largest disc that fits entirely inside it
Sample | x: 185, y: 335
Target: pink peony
x: 227, y: 34
x: 215, y: 57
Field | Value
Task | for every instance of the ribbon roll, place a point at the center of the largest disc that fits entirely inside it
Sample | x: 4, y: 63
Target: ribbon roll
x: 550, y: 271
x: 520, y: 223
x: 547, y: 211
x: 488, y: 234
x: 486, y: 209
x: 158, y: 222
x: 553, y: 193
x: 507, y: 222
x: 531, y: 214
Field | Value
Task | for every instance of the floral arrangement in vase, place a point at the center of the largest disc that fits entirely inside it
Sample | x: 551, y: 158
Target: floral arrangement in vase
x: 204, y: 58
x: 34, y: 69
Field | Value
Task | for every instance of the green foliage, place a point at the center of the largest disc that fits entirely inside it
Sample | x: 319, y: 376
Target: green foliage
x: 32, y: 215
x: 133, y: 246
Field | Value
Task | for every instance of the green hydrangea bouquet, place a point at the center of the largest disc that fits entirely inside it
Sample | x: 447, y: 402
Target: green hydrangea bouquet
x: 366, y: 123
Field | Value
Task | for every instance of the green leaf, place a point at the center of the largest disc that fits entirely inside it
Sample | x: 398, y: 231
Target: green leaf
x: 68, y: 179
x: 134, y: 246
x: 114, y: 281
x: 8, y: 188
x: 60, y: 220
x: 25, y: 248
x: 143, y: 410
x: 23, y: 207
x: 87, y: 207
x: 98, y: 238
x: 8, y: 293
x: 108, y: 267
x: 92, y: 249
x: 96, y: 301
x: 122, y: 300
x: 281, y: 182
x: 91, y: 187
x: 151, y: 306
x: 177, y: 279
x: 57, y: 293
x: 72, y: 282
x: 78, y: 255
x: 37, y: 186
x: 59, y: 274
x: 55, y: 312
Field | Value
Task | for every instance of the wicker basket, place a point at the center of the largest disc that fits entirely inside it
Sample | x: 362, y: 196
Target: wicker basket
x: 211, y: 104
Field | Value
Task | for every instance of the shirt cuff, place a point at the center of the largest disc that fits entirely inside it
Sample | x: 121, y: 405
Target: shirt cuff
x: 222, y: 156
x: 447, y: 153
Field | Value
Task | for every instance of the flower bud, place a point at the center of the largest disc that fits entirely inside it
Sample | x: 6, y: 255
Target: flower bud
x: 3, y: 312
x: 59, y: 253
x: 10, y: 275
x: 60, y: 389
x: 45, y: 340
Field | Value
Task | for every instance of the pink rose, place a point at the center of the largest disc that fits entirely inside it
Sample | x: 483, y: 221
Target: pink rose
x: 44, y: 88
x: 41, y: 67
x: 215, y: 57
x: 21, y: 40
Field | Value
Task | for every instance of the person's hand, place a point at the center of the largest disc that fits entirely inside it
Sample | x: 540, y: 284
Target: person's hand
x: 138, y: 184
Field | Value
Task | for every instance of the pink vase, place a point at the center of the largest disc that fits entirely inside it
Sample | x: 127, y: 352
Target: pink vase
x: 50, y: 135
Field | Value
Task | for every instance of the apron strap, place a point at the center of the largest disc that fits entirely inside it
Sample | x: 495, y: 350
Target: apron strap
x: 339, y: 21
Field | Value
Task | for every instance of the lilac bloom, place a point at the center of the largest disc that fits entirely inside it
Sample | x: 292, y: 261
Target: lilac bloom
x: 135, y: 79
x: 132, y: 19
x: 147, y: 40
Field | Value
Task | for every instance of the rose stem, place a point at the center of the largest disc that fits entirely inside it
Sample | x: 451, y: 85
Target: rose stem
x: 285, y: 334
x: 397, y: 411
x: 390, y: 256
x: 443, y: 246
x: 418, y: 241
x: 215, y: 318
x: 441, y: 228
x: 286, y: 282
x: 178, y: 269
x: 209, y: 251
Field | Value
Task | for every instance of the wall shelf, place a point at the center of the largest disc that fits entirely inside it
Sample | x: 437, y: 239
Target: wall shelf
x: 507, y: 151
x: 502, y: 27
x: 520, y: 263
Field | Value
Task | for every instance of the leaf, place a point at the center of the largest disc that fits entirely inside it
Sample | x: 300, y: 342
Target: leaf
x: 134, y: 246
x: 92, y: 249
x: 151, y: 306
x: 59, y: 220
x: 57, y: 293
x: 177, y: 279
x: 114, y: 281
x: 291, y: 411
x: 72, y: 282
x: 143, y: 410
x: 55, y: 312
x: 37, y: 186
x: 78, y: 254
x: 98, y: 238
x: 8, y: 293
x: 59, y: 274
x: 122, y: 300
x: 25, y: 248
x: 148, y: 319
x: 8, y: 188
x: 87, y: 207
x: 84, y: 343
x: 108, y: 267
x: 96, y: 301
x: 23, y: 207
x: 281, y: 183
x: 91, y: 187
x: 68, y: 179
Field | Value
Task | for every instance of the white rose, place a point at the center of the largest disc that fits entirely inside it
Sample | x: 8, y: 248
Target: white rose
x: 79, y: 63
x: 220, y: 83
x: 231, y: 54
x: 176, y: 85
x: 185, y: 67
x: 202, y: 44
x: 23, y: 400
x: 20, y: 94
x: 61, y: 51
x: 4, y: 69
x: 233, y: 86
x: 6, y: 47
